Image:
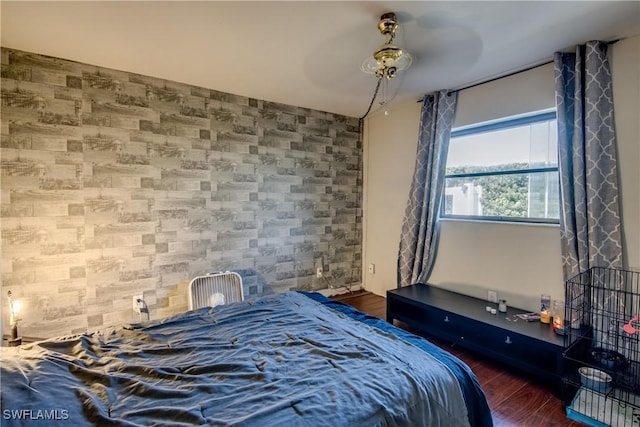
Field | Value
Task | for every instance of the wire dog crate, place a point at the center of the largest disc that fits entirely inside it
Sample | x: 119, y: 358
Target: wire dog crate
x: 602, y: 347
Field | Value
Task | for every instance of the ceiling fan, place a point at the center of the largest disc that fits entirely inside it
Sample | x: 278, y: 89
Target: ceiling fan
x: 388, y: 58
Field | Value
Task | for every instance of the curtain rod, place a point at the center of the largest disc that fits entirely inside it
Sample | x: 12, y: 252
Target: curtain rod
x: 451, y: 92
x: 533, y: 67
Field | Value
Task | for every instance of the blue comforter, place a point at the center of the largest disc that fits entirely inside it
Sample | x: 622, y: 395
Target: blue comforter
x: 282, y: 360
x: 477, y: 405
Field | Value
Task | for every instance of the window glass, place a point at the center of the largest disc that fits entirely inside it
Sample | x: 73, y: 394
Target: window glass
x: 504, y: 170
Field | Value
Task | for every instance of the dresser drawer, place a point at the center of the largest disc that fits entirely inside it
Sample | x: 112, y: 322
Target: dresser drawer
x: 433, y: 321
x: 449, y: 323
x: 523, y: 351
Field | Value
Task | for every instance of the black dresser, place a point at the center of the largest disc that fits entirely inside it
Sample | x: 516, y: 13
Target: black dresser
x: 463, y: 320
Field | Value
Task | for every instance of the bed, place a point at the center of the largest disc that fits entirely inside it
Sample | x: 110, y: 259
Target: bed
x: 287, y: 360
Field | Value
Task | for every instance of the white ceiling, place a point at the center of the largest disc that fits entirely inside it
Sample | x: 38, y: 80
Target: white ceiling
x: 309, y: 53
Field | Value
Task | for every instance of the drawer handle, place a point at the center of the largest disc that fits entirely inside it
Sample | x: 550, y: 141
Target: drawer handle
x: 508, y: 340
x: 446, y: 319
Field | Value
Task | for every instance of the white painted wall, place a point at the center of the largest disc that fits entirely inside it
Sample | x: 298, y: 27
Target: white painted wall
x: 519, y: 261
x: 625, y: 68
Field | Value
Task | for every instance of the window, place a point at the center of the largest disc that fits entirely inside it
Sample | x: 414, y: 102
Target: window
x: 504, y: 170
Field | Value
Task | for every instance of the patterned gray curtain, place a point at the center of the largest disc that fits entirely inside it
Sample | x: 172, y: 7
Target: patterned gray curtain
x: 587, y: 160
x: 420, y: 227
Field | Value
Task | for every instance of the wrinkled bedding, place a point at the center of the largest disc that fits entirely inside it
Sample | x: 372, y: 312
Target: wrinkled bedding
x: 283, y: 360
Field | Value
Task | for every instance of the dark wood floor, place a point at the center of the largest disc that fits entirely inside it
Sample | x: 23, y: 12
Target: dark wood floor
x: 514, y: 398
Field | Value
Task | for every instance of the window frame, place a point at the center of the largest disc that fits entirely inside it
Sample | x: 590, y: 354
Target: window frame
x: 495, y: 125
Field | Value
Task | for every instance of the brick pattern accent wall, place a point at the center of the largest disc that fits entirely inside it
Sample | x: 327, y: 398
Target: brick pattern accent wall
x: 117, y: 184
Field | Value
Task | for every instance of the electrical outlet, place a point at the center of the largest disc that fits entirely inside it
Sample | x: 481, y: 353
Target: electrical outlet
x: 492, y: 296
x: 372, y: 268
x: 319, y: 272
x: 137, y: 306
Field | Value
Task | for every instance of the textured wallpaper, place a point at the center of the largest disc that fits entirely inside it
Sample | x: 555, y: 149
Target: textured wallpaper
x: 117, y: 184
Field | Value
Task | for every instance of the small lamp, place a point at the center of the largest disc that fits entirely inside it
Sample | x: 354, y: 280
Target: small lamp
x: 14, y: 308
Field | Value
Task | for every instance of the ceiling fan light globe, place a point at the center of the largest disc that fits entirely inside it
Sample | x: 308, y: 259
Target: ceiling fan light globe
x: 403, y: 62
x: 370, y: 65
